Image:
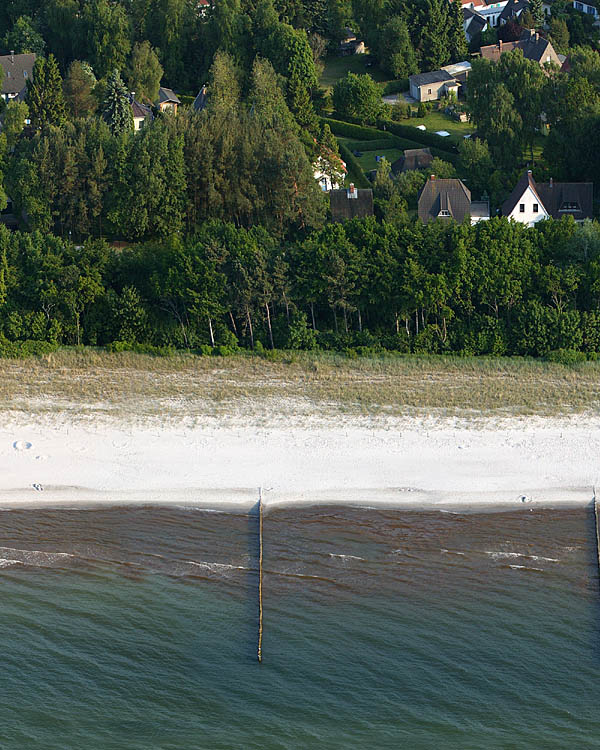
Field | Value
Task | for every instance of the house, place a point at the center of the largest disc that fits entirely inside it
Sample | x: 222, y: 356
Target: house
x: 531, y: 202
x: 168, y: 101
x: 532, y: 45
x: 350, y: 203
x: 413, y: 158
x: 17, y: 69
x: 427, y: 87
x: 512, y: 10
x: 492, y: 13
x: 201, y: 99
x: 586, y: 8
x: 473, y: 23
x: 450, y: 199
x: 330, y: 171
x: 141, y: 113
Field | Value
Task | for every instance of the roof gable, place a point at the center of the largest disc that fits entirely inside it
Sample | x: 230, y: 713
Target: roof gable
x: 448, y: 198
x: 17, y: 70
x: 344, y: 207
x: 167, y: 95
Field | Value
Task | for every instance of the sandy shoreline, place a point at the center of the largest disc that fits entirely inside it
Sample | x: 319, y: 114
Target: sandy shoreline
x: 414, y: 463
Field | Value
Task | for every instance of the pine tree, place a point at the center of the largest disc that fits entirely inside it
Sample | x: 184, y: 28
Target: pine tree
x: 45, y: 94
x: 116, y: 108
x: 78, y: 87
x: 537, y: 11
x: 456, y: 34
x: 434, y: 39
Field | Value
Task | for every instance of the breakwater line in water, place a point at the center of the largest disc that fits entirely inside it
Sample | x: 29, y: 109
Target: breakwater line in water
x: 260, y: 575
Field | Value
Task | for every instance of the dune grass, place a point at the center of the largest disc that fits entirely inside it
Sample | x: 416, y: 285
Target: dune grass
x: 90, y: 382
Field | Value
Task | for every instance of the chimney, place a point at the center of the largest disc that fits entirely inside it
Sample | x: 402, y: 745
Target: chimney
x: 12, y: 55
x: 432, y: 177
x: 500, y: 45
x: 352, y: 191
x: 536, y: 36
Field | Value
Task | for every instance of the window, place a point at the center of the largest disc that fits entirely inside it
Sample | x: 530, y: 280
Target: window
x: 548, y: 58
x: 429, y: 91
x: 535, y: 208
x: 522, y: 208
x: 444, y: 212
x: 24, y: 74
x: 570, y: 206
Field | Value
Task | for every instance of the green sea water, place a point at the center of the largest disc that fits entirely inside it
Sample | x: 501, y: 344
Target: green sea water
x: 136, y: 628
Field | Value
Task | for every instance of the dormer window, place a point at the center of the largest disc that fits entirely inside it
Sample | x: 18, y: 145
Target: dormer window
x: 24, y: 74
x: 570, y: 206
x: 444, y: 212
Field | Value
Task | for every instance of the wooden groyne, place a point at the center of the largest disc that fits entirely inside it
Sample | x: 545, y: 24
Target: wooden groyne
x: 597, y: 525
x: 260, y: 574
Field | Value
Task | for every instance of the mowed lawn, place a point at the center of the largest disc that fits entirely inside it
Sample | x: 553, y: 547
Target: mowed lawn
x: 336, y: 67
x: 439, y: 121
x: 368, y: 161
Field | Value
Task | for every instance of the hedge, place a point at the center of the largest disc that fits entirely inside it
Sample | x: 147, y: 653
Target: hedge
x: 355, y: 172
x: 383, y: 143
x: 399, y: 143
x: 394, y: 136
x: 349, y: 130
x: 396, y: 87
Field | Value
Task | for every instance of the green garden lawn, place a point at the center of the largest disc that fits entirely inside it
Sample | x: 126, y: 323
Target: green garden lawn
x: 336, y: 67
x: 439, y: 121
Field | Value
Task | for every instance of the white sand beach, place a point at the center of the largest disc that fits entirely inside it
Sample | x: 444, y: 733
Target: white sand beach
x: 424, y: 462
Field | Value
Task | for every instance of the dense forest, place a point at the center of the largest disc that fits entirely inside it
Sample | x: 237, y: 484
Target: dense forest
x: 364, y: 286
x: 224, y: 239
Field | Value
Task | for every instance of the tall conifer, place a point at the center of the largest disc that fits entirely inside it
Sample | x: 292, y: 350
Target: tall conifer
x: 116, y: 108
x: 45, y: 94
x: 456, y: 34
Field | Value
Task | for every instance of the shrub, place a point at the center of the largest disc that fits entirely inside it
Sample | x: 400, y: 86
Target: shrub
x: 566, y: 356
x: 27, y: 348
x: 396, y: 87
x: 224, y: 351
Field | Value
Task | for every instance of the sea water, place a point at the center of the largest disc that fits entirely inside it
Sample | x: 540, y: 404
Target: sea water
x: 136, y: 628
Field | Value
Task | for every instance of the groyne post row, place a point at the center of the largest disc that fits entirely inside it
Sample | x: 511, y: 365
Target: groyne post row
x: 260, y: 574
x: 597, y: 524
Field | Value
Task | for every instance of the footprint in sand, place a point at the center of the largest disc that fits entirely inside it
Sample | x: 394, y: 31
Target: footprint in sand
x: 37, y: 487
x: 41, y: 457
x: 22, y: 445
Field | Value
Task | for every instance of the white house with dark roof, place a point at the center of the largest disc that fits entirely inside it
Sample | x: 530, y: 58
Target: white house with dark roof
x: 531, y: 202
x: 17, y: 70
x: 141, y: 113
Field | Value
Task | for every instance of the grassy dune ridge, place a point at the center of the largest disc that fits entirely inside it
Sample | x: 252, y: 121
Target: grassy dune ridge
x: 87, y: 381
